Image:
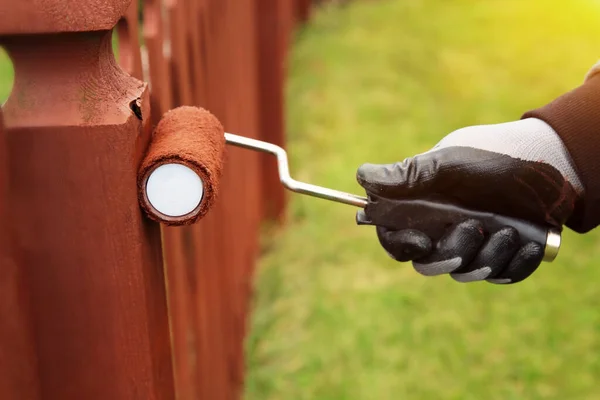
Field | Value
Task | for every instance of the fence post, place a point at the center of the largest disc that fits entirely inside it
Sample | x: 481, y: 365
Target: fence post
x: 93, y: 321
x: 274, y: 25
x: 303, y: 10
x: 76, y: 129
x: 18, y: 369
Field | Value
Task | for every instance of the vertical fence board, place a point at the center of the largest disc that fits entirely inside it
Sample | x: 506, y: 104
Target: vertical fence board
x: 303, y: 9
x: 129, y: 43
x: 234, y: 66
x: 180, y: 57
x: 92, y: 264
x: 18, y: 367
x: 208, y: 265
x: 98, y: 283
x: 273, y: 28
x: 159, y: 69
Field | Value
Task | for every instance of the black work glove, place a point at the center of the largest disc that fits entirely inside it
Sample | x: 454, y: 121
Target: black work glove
x: 519, y: 169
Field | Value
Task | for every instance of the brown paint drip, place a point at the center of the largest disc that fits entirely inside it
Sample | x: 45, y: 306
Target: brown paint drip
x: 193, y: 137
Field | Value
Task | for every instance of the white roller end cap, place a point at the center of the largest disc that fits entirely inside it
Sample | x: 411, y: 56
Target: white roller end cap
x: 174, y: 190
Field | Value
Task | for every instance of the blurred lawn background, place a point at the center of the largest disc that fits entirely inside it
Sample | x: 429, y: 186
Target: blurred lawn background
x: 334, y: 318
x: 6, y: 75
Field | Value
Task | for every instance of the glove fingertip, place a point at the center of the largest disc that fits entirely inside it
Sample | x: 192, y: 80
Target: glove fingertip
x: 405, y: 245
x: 368, y: 172
x: 522, y: 266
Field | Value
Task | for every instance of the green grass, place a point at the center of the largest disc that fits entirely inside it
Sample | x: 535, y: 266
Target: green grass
x: 334, y: 317
x: 6, y: 76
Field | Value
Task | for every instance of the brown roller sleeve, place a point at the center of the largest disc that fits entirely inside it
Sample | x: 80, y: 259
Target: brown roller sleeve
x: 193, y: 137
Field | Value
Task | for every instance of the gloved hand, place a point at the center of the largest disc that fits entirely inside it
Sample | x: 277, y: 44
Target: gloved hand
x: 519, y: 169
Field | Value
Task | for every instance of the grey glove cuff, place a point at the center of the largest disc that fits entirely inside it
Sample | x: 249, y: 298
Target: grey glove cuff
x: 528, y: 139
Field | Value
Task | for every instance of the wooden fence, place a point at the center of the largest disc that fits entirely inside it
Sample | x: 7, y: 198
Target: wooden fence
x: 96, y: 301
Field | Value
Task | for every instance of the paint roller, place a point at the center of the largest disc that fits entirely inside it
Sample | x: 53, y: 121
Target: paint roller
x: 178, y: 182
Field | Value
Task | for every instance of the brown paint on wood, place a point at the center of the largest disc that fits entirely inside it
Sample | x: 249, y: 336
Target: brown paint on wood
x: 303, y: 10
x: 256, y: 193
x: 274, y: 26
x: 18, y: 365
x: 196, y: 49
x: 92, y: 263
x: 180, y: 270
x: 180, y: 244
x: 180, y: 57
x: 130, y: 58
x: 55, y: 16
x: 210, y: 264
x: 158, y: 64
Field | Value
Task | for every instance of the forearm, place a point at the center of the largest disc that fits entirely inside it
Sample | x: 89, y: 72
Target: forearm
x: 575, y: 116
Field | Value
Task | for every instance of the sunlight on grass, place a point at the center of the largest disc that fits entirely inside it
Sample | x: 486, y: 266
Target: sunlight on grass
x: 334, y: 318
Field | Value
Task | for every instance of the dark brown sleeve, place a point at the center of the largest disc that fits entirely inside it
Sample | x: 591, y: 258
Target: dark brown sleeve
x: 575, y: 116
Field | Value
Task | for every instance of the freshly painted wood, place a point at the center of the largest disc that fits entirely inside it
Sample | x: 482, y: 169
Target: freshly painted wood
x: 91, y: 262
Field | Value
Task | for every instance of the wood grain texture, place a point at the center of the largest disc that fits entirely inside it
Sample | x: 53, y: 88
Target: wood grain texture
x: 91, y: 262
x: 56, y: 16
x: 130, y: 58
x: 18, y: 364
x: 102, y: 303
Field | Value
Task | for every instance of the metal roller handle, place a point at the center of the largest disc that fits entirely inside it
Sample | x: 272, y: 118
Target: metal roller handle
x: 553, y: 237
x: 284, y: 172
